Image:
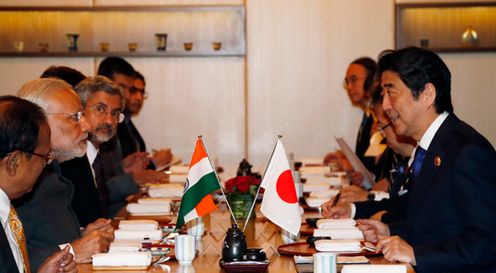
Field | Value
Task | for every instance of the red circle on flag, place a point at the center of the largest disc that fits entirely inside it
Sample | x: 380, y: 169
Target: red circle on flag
x: 285, y: 187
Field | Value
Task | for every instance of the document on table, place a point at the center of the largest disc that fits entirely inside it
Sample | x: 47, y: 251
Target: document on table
x: 368, y: 180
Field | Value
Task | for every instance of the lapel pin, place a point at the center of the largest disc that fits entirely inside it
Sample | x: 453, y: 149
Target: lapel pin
x: 437, y: 161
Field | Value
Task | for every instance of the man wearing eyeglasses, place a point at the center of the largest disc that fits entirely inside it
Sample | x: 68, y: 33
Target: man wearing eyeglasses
x: 48, y: 219
x: 132, y: 84
x: 24, y: 151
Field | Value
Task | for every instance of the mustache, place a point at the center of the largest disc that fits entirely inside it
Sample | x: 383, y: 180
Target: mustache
x: 104, y: 127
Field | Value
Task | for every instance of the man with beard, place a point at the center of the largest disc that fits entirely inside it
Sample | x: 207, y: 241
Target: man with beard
x: 46, y: 214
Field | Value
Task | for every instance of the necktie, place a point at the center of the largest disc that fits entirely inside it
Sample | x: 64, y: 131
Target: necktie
x: 103, y: 192
x: 16, y: 228
x: 417, y: 162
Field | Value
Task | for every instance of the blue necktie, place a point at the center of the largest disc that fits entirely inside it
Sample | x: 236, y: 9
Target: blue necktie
x: 417, y: 162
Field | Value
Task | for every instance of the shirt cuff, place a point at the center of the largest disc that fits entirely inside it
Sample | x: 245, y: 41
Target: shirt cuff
x: 379, y: 195
x: 353, y: 211
x: 71, y: 250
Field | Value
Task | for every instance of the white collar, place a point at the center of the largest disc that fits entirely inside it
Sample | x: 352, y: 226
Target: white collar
x: 4, y: 207
x: 91, y: 152
x: 426, y: 139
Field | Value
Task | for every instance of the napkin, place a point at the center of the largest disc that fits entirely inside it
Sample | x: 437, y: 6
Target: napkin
x: 122, y: 259
x: 178, y: 178
x: 335, y: 223
x: 315, y: 202
x: 154, y: 200
x: 138, y: 225
x: 338, y: 245
x: 166, y: 190
x: 154, y: 235
x: 325, y: 194
x: 339, y: 233
x: 374, y: 268
x: 125, y: 246
x: 148, y: 209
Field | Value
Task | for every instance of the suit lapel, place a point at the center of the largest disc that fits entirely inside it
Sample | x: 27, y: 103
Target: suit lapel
x: 7, y: 261
x: 430, y: 167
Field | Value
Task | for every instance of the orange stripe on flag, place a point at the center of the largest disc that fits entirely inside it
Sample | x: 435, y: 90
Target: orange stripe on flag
x: 205, y: 206
x: 199, y: 153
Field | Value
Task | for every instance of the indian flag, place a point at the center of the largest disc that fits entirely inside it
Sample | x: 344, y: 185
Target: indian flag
x: 201, y: 181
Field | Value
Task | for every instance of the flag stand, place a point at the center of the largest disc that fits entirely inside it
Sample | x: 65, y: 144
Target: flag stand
x: 218, y: 181
x: 258, y: 190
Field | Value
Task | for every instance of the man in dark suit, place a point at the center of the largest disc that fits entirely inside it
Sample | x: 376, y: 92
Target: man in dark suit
x: 46, y: 212
x: 450, y: 225
x: 24, y: 151
x: 132, y: 83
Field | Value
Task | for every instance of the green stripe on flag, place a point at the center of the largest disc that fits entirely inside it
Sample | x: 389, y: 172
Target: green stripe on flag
x: 207, y: 184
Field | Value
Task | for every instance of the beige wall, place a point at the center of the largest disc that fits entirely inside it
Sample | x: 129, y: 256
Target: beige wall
x: 290, y: 82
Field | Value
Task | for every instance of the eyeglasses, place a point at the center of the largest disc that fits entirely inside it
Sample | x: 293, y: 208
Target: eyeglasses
x: 102, y: 110
x: 352, y: 80
x: 135, y: 90
x: 48, y: 158
x: 76, y: 116
x: 381, y: 129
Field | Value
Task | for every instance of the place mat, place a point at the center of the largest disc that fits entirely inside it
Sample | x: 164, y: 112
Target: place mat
x: 303, y: 249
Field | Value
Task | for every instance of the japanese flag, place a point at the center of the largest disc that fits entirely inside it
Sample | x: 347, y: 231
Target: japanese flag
x: 280, y: 201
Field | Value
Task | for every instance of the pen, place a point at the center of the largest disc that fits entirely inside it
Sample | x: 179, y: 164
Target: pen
x: 336, y: 199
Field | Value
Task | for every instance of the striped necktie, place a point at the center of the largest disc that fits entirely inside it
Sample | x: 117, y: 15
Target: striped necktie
x: 18, y: 232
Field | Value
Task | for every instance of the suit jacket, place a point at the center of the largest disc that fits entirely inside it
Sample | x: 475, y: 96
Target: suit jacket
x: 363, y: 142
x: 119, y: 183
x: 47, y: 216
x: 85, y: 201
x: 395, y: 207
x: 129, y: 137
x: 7, y: 261
x: 451, y: 217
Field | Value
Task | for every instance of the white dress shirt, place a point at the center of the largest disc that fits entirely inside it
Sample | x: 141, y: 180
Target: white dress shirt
x: 4, y: 217
x: 91, y: 153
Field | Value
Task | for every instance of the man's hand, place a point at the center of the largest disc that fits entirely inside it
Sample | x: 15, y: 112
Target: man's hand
x: 353, y: 194
x: 100, y: 224
x: 60, y: 261
x: 150, y: 176
x: 356, y: 178
x: 135, y: 162
x: 93, y: 242
x: 396, y: 249
x: 372, y: 229
x: 340, y: 211
x: 162, y: 157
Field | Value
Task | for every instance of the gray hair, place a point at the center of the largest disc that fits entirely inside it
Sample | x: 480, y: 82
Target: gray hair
x: 89, y: 86
x: 39, y: 91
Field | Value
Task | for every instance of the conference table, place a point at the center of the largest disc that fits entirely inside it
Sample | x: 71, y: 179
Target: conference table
x: 259, y: 233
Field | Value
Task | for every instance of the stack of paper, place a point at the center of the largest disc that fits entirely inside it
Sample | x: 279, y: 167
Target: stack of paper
x: 315, y: 202
x: 339, y: 233
x: 374, y: 268
x: 138, y: 230
x: 336, y: 223
x: 148, y: 209
x: 125, y: 246
x: 154, y: 200
x: 179, y: 169
x: 122, y: 259
x: 138, y: 235
x: 166, y: 190
x: 338, y: 245
x: 315, y: 187
x: 138, y: 225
